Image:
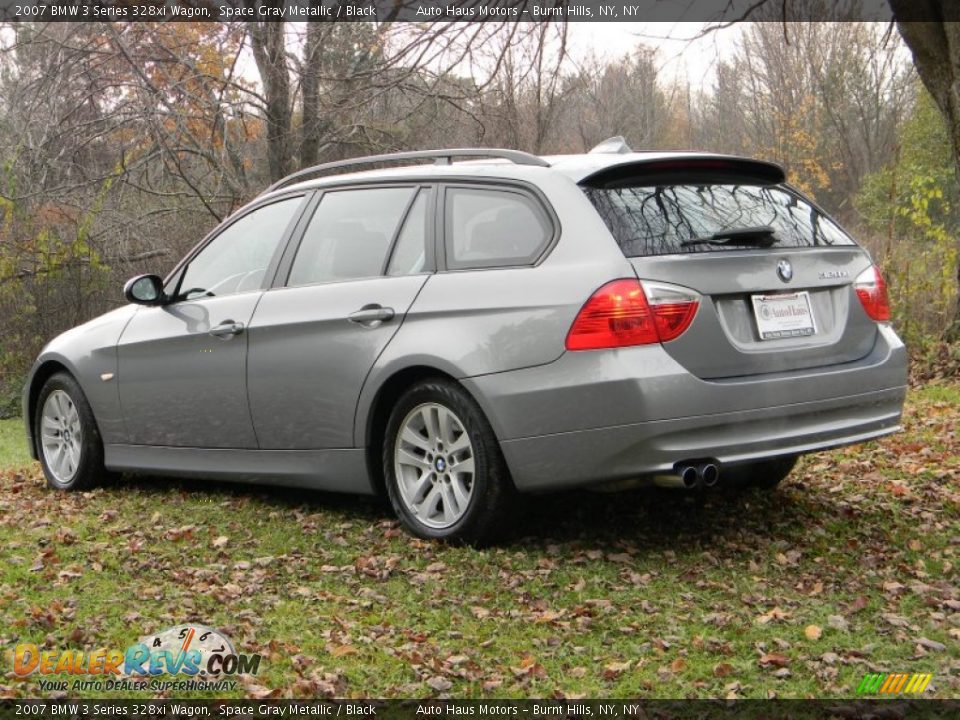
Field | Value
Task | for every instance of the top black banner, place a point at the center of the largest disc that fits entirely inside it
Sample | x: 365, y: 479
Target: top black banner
x: 471, y: 10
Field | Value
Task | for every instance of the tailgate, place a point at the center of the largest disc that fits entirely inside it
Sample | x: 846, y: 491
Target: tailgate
x: 774, y: 271
x: 728, y: 338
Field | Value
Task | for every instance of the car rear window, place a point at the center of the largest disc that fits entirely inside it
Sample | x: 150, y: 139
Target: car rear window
x: 648, y: 219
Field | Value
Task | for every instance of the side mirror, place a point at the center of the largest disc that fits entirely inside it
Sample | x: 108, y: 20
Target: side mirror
x: 144, y: 290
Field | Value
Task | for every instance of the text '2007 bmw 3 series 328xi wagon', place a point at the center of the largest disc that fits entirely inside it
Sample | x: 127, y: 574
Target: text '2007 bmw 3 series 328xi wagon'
x: 458, y: 332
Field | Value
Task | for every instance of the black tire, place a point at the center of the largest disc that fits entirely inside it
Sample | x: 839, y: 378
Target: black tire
x: 766, y: 474
x: 89, y: 470
x: 493, y: 500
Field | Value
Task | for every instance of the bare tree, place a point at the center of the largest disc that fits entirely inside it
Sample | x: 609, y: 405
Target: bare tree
x: 340, y: 76
x: 823, y: 99
x: 527, y: 90
x: 621, y: 98
x: 268, y: 42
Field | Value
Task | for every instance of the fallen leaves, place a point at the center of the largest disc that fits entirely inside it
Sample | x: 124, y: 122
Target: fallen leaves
x: 613, y: 669
x: 548, y: 616
x: 528, y: 668
x: 860, y: 603
x: 722, y: 670
x: 895, y: 620
x: 775, y: 614
x: 928, y: 644
x: 791, y: 593
x: 774, y: 660
x: 838, y: 622
x: 439, y: 683
x: 791, y: 557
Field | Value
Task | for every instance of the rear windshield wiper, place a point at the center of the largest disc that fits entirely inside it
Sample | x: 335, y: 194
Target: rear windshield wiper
x: 760, y: 235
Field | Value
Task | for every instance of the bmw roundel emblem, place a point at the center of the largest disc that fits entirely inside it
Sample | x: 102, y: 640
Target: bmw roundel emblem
x: 785, y: 270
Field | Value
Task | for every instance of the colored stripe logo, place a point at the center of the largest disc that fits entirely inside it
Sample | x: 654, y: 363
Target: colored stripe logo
x: 894, y: 683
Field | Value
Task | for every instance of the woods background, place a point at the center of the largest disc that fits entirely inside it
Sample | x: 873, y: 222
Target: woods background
x: 121, y: 145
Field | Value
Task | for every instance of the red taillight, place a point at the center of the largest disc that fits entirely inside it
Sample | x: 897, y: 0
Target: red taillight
x: 673, y: 308
x: 872, y: 291
x: 621, y: 314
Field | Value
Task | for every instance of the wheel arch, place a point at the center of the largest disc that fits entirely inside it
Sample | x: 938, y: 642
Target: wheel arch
x: 372, y: 425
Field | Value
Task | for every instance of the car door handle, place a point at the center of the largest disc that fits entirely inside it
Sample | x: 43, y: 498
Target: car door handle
x: 226, y: 329
x: 372, y: 316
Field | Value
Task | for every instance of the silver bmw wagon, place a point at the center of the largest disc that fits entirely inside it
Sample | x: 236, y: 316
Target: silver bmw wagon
x: 458, y: 332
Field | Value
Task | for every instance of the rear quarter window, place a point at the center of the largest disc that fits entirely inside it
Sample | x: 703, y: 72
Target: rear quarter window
x: 488, y: 227
x: 648, y: 219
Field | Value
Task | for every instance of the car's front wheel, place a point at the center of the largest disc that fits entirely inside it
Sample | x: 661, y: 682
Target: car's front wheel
x: 69, y: 445
x: 445, y: 473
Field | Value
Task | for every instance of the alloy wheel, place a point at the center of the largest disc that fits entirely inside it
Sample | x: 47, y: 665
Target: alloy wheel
x: 61, y: 436
x: 434, y: 465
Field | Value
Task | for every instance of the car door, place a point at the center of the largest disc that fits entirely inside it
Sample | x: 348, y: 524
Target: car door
x: 362, y: 260
x: 182, y: 365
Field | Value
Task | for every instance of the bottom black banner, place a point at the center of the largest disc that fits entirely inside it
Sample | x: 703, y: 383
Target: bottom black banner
x: 893, y: 709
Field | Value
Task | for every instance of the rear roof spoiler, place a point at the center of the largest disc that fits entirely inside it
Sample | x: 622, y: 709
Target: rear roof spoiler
x: 689, y: 168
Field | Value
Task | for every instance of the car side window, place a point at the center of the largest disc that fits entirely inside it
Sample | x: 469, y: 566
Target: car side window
x: 410, y: 251
x: 493, y: 228
x: 236, y: 260
x: 349, y: 235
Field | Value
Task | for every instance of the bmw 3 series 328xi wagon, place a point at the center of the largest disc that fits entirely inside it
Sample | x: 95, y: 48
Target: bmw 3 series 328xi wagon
x: 455, y: 334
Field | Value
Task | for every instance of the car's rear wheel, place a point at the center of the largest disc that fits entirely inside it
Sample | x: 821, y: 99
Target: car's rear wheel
x: 68, y: 442
x: 445, y: 474
x: 767, y: 474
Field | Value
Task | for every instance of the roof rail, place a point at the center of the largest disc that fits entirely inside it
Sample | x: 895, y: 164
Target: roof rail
x: 440, y: 157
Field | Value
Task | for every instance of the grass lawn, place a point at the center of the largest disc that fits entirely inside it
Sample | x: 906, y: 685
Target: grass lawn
x: 851, y: 567
x: 13, y: 445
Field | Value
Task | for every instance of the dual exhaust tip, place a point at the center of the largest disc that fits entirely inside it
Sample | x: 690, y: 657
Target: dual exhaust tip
x: 691, y: 475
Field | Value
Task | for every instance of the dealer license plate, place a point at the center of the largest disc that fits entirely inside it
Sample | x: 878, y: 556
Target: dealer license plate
x: 783, y: 316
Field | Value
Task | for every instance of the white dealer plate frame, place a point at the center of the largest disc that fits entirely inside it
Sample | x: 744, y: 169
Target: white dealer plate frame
x: 783, y: 316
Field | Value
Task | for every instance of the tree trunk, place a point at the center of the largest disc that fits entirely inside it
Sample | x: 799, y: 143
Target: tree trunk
x: 936, y: 55
x: 270, y: 54
x: 310, y: 82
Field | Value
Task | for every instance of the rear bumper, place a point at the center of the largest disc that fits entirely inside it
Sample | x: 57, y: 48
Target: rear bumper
x: 612, y: 415
x: 628, y: 451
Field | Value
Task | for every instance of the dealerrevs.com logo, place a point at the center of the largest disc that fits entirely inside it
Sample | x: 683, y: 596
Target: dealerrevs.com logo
x: 184, y: 657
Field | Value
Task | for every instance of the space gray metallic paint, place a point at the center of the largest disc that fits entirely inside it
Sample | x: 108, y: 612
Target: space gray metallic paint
x: 563, y: 418
x: 308, y: 361
x: 333, y: 470
x: 844, y: 332
x: 590, y: 390
x: 630, y: 451
x: 168, y: 352
x: 86, y: 351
